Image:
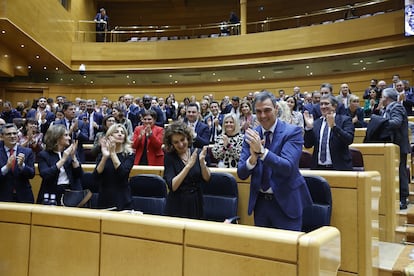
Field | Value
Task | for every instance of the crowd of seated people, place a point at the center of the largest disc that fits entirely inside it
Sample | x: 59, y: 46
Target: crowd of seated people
x: 218, y: 124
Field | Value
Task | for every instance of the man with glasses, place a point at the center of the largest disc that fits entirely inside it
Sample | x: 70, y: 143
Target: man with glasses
x: 330, y: 137
x: 17, y: 167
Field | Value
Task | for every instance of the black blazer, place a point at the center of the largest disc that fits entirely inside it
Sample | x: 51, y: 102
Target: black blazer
x: 50, y: 174
x: 342, y: 135
x: 17, y: 179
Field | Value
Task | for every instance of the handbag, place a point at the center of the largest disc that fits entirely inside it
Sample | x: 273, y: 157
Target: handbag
x: 73, y: 198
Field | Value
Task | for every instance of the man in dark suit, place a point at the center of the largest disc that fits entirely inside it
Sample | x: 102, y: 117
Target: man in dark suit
x: 17, y: 167
x: 397, y: 128
x: 278, y: 192
x: 201, y: 132
x: 92, y: 119
x: 146, y: 100
x: 330, y: 136
x: 214, y: 121
x: 43, y: 116
x: 78, y: 129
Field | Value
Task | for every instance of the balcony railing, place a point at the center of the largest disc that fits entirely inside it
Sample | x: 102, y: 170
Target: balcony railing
x: 86, y: 29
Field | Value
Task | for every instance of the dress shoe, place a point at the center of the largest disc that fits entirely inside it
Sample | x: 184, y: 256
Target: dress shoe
x: 403, y: 204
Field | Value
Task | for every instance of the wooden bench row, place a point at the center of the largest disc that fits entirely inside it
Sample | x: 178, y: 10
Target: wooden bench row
x: 74, y: 241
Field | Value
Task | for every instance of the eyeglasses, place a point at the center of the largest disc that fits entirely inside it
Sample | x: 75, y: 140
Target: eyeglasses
x: 10, y: 133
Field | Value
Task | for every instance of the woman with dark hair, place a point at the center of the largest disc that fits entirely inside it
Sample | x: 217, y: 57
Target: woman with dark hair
x: 184, y: 171
x: 147, y: 141
x: 119, y: 115
x: 113, y: 168
x: 371, y: 104
x: 170, y: 109
x: 30, y: 136
x: 296, y: 116
x: 107, y: 122
x: 59, y: 167
x: 181, y: 112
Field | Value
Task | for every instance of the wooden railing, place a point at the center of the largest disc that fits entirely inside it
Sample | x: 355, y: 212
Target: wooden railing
x: 70, y: 241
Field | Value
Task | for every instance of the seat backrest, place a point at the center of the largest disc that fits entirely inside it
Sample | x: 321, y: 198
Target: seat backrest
x: 149, y: 193
x: 319, y: 213
x: 88, y: 182
x: 211, y: 161
x: 357, y: 159
x: 220, y: 197
x: 305, y: 161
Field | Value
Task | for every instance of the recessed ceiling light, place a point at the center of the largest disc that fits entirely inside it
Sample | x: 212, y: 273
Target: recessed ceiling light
x: 127, y: 76
x: 218, y: 79
x: 133, y: 82
x: 364, y: 68
x: 3, y: 31
x: 71, y: 79
x: 263, y: 77
x: 44, y: 67
x: 84, y: 76
x: 91, y: 81
x: 214, y: 73
x: 307, y: 66
x: 61, y: 79
x: 361, y: 61
x: 6, y: 55
x: 176, y: 81
x: 37, y: 56
x: 170, y: 76
x: 258, y: 71
x: 47, y: 78
x: 19, y: 67
x: 57, y: 68
x: 22, y: 46
x: 29, y: 66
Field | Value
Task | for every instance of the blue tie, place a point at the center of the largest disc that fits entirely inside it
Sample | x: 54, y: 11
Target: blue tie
x: 267, y: 171
x: 324, y: 142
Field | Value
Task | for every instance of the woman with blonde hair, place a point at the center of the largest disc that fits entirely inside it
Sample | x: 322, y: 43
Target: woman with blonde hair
x: 228, y: 145
x: 113, y: 167
x: 247, y: 118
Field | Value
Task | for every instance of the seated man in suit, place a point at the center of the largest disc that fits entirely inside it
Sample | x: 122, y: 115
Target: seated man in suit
x: 17, y: 167
x: 330, y: 136
x: 201, y: 132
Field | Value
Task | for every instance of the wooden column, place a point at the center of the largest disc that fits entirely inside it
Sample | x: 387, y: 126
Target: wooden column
x: 243, y: 17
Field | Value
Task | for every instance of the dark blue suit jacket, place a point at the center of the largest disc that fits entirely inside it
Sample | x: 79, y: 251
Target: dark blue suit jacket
x: 97, y: 118
x: 50, y: 117
x: 203, y: 135
x: 17, y: 179
x: 50, y: 174
x: 339, y: 140
x: 288, y: 185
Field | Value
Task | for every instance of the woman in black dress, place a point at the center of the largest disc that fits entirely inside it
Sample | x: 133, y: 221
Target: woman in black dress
x: 184, y: 171
x: 113, y: 168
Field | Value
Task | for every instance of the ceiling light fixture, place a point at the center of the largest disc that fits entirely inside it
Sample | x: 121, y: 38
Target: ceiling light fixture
x: 37, y: 56
x: 3, y: 31
x: 22, y: 45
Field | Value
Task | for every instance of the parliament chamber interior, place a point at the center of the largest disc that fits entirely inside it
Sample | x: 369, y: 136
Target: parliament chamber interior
x: 193, y: 48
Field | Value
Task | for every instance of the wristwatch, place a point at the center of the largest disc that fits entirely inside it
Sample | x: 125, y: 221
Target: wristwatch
x: 262, y: 151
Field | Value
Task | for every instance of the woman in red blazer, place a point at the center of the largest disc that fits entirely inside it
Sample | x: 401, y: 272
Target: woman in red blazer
x: 147, y: 141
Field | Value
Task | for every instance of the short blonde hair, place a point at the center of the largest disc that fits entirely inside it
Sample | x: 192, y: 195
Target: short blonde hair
x: 126, y: 146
